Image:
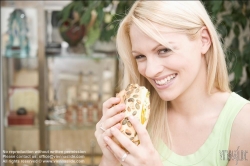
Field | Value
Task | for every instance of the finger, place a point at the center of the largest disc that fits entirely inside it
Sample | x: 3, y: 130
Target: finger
x: 123, y: 140
x: 110, y: 102
x: 109, y: 149
x: 113, y: 120
x: 99, y: 134
x: 128, y: 160
x: 104, y: 147
x: 108, y: 132
x: 117, y: 150
x: 113, y: 111
x: 141, y: 130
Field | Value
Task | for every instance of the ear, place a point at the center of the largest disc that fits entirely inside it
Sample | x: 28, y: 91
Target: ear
x: 205, y: 39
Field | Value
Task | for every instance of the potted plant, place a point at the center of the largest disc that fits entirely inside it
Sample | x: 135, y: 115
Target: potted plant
x: 91, y: 21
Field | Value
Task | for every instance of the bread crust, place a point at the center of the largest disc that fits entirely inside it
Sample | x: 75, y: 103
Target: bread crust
x: 136, y: 99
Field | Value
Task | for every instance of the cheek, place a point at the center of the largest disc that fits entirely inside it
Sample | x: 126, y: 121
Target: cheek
x: 174, y: 62
x: 189, y: 58
x: 189, y: 67
x: 141, y: 68
x: 186, y: 65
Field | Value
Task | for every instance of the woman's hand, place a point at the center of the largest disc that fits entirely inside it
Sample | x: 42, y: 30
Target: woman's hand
x: 142, y: 155
x: 111, y: 117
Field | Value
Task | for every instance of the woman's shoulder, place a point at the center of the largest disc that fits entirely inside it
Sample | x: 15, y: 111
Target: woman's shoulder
x: 240, y: 134
x: 232, y: 100
x: 241, y: 124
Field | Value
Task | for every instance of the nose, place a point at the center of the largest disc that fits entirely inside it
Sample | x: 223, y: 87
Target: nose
x: 154, y: 68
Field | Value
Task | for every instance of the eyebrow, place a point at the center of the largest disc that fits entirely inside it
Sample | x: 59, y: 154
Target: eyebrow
x: 151, y: 50
x: 154, y: 47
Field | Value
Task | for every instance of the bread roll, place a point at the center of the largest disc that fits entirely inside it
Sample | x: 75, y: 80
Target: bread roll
x: 136, y: 99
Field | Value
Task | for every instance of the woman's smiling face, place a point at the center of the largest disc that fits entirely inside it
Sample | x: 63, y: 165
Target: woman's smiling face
x: 171, y: 71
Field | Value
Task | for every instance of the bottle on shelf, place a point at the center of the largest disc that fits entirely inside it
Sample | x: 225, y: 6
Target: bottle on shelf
x: 79, y: 113
x: 99, y: 106
x: 90, y: 114
x: 107, y: 75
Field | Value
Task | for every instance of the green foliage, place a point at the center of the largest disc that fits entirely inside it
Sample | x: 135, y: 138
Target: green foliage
x: 102, y: 29
x: 235, y: 19
x: 110, y: 28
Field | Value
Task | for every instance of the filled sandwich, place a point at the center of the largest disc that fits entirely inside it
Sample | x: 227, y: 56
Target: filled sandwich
x: 136, y: 99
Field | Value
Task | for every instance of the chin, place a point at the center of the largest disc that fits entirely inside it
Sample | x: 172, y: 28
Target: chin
x: 167, y: 96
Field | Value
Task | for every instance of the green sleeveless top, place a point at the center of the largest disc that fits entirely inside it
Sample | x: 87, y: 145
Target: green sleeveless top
x: 212, y: 152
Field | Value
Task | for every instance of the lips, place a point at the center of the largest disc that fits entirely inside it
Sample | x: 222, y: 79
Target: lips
x: 166, y: 79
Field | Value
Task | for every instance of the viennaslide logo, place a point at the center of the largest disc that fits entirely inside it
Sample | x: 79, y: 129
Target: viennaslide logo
x: 237, y: 155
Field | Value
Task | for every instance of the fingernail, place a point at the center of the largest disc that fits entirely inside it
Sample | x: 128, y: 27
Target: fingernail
x: 131, y: 117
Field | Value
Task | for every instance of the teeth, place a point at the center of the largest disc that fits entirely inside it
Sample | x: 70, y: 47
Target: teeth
x: 165, y: 80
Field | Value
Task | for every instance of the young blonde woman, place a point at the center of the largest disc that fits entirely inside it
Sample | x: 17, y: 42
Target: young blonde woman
x: 173, y: 49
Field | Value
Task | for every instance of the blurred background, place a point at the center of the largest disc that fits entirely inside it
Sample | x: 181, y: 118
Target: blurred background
x: 59, y: 63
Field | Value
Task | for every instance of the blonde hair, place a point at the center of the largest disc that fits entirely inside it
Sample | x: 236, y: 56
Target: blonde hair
x: 184, y: 17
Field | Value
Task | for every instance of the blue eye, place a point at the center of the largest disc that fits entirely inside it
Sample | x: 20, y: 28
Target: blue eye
x: 139, y: 57
x: 164, y: 51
